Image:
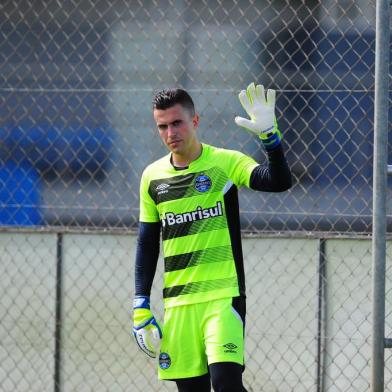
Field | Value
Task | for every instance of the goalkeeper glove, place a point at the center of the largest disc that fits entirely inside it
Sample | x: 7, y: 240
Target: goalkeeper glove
x: 146, y: 330
x: 261, y: 110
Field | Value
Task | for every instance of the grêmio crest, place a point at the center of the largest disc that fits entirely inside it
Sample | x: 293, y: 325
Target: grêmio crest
x: 202, y: 183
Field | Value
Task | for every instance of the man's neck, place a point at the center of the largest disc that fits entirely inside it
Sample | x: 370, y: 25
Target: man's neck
x: 185, y: 160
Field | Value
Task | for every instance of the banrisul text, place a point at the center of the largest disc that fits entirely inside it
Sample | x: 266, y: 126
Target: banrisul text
x: 170, y: 218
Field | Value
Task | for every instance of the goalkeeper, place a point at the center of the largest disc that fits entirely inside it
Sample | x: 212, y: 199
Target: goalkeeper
x: 190, y: 198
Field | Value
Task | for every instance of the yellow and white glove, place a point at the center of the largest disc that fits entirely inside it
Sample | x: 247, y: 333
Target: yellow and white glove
x: 261, y: 111
x: 146, y: 330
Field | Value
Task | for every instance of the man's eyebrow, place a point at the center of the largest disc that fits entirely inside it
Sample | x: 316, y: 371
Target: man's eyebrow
x: 172, y: 122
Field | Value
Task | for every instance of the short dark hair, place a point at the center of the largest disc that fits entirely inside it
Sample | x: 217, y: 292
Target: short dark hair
x: 167, y: 98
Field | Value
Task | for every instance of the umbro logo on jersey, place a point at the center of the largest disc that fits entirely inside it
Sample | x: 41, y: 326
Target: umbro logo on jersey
x: 162, y: 188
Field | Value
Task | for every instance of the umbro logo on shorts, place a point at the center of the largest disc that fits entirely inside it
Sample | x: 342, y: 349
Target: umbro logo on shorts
x: 230, y: 348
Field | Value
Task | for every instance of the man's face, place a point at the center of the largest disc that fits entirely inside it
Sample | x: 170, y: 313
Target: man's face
x: 177, y: 129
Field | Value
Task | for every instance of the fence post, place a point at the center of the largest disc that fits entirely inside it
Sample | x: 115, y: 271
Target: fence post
x: 379, y: 193
x: 321, y: 317
x: 59, y: 315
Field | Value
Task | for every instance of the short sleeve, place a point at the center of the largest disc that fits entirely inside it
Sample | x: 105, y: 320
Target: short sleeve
x: 148, y: 208
x: 241, y: 168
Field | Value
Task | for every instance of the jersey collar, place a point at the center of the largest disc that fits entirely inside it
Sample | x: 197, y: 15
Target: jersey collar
x: 204, y: 148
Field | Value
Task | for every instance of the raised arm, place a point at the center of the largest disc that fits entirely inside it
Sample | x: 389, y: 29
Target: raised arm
x: 276, y: 175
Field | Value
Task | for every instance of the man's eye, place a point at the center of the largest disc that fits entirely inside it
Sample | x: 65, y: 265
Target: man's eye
x: 162, y: 127
x: 176, y: 123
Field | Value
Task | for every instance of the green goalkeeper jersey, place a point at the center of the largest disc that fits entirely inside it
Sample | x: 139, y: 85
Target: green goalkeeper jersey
x: 199, y: 214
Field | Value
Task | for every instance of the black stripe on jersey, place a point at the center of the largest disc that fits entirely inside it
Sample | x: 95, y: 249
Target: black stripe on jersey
x: 198, y: 287
x: 171, y: 188
x: 233, y: 221
x: 204, y: 256
x: 197, y: 227
x: 182, y: 186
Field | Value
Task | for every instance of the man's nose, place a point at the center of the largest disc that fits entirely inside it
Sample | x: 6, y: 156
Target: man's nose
x: 171, y: 130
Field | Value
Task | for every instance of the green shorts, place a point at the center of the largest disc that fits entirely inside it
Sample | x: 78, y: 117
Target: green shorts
x: 197, y: 335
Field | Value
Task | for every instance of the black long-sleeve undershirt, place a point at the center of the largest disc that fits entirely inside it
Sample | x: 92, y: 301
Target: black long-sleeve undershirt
x: 147, y: 253
x: 273, y: 177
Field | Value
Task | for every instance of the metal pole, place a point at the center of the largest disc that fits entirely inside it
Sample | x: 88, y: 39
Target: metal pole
x: 321, y: 317
x: 379, y: 193
x: 59, y: 316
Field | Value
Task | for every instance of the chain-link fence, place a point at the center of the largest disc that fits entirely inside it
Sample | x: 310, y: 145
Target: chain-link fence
x: 77, y: 80
x: 65, y: 314
x: 76, y: 84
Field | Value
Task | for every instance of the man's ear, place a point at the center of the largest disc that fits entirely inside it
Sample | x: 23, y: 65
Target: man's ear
x: 195, y: 120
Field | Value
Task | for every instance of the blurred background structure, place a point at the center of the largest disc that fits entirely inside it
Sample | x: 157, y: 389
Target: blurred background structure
x: 76, y: 84
x: 77, y: 80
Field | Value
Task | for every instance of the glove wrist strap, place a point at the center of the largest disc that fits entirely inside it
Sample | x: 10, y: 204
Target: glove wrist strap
x: 268, y: 130
x: 271, y: 139
x: 141, y: 302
